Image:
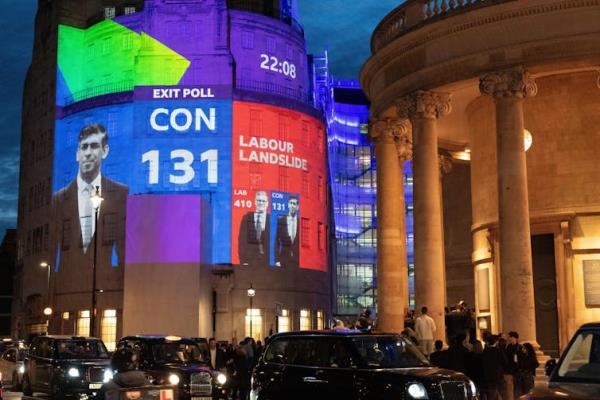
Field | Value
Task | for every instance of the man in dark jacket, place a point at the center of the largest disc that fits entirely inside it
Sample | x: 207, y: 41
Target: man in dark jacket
x: 124, y: 362
x: 512, y: 353
x: 439, y: 357
x: 493, y: 363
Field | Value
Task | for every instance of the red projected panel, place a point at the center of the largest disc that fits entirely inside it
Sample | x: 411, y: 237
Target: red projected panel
x: 279, y: 210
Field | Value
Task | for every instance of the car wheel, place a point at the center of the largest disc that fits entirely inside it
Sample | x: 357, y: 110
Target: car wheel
x: 27, y: 389
x: 16, y: 385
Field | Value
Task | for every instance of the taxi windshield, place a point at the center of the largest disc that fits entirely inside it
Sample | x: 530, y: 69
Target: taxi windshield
x: 176, y: 352
x: 81, y: 349
x: 582, y: 360
x: 389, y: 352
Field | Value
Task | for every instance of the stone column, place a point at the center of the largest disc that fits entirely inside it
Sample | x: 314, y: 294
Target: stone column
x: 517, y: 304
x: 392, y: 148
x: 424, y: 109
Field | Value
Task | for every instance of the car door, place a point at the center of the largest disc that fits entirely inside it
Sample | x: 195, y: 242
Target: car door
x: 340, y: 369
x: 268, y: 375
x: 10, y: 365
x: 44, y: 364
x: 30, y: 363
x: 5, y: 365
x: 303, y: 376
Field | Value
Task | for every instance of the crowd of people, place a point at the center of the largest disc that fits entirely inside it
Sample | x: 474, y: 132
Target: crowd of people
x: 238, y: 360
x: 503, y: 368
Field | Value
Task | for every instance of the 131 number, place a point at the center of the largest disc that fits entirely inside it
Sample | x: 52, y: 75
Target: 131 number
x: 182, y: 163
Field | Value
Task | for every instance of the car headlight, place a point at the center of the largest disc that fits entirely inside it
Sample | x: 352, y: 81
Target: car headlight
x: 22, y: 369
x: 417, y: 391
x: 174, y: 379
x: 108, y: 375
x: 73, y: 372
x: 221, y: 378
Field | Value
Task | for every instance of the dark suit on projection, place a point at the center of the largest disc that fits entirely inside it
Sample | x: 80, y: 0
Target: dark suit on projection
x: 253, y: 244
x: 68, y: 243
x: 287, y: 249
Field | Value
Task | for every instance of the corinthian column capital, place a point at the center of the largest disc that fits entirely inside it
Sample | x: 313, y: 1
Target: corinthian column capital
x: 404, y: 147
x: 424, y: 104
x: 394, y: 131
x: 514, y: 82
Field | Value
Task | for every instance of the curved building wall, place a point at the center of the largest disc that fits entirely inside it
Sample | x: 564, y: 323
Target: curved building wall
x: 207, y: 147
x: 563, y: 197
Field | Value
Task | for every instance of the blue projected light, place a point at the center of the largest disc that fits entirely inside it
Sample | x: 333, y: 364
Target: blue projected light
x: 161, y: 147
x: 182, y: 146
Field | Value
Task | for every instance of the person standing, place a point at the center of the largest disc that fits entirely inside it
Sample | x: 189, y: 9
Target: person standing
x: 425, y: 330
x: 241, y: 376
x: 74, y: 222
x: 287, y: 238
x: 216, y: 355
x: 493, y: 363
x: 512, y: 351
x: 253, y: 237
x: 528, y: 363
x: 439, y: 357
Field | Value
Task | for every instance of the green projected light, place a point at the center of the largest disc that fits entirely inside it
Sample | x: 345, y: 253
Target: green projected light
x: 110, y: 58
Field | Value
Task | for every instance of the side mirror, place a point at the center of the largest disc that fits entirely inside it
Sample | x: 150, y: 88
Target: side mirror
x: 549, y: 367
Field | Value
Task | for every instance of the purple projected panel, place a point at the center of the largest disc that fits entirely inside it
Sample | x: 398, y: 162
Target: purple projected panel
x: 163, y: 229
x: 270, y: 56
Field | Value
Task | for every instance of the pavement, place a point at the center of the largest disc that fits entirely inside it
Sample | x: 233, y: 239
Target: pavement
x: 8, y: 395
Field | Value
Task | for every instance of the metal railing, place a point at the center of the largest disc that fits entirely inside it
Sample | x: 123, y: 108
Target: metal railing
x: 274, y: 89
x: 418, y: 12
x: 94, y: 91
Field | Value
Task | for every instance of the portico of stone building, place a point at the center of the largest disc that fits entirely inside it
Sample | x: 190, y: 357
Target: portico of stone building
x: 520, y: 230
x: 563, y: 203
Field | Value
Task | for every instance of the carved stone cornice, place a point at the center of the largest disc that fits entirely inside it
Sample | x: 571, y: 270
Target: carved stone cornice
x: 424, y: 104
x: 514, y: 82
x: 445, y: 164
x: 396, y: 131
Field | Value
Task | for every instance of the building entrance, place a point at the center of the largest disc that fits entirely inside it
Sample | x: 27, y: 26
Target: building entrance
x: 544, y: 283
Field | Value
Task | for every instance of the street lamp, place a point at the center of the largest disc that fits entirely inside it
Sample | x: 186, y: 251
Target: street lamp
x: 251, y: 293
x: 44, y: 264
x: 96, y: 200
x: 47, y: 312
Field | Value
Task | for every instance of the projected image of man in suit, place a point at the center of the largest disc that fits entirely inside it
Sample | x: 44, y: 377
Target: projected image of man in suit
x: 74, y: 214
x: 253, y: 238
x: 287, y: 237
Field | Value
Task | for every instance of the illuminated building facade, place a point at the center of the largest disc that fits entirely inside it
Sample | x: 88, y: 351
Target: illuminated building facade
x: 194, y: 122
x: 352, y: 170
x: 510, y: 90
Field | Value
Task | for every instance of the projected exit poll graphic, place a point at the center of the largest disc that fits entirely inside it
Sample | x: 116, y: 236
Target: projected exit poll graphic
x: 147, y: 114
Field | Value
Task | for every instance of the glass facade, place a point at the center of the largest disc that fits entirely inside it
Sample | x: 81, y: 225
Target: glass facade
x: 353, y: 180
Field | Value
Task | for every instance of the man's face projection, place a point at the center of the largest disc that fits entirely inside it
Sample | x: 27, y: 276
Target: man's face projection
x: 90, y: 154
x: 261, y: 202
x: 293, y: 207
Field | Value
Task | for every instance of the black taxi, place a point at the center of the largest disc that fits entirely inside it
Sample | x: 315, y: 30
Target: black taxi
x: 577, y: 374
x: 66, y: 365
x: 351, y: 365
x: 177, y: 361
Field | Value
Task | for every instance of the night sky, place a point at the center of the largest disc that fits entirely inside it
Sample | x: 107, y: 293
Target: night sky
x: 342, y: 27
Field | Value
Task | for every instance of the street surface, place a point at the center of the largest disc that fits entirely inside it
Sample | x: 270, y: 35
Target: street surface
x: 8, y: 395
